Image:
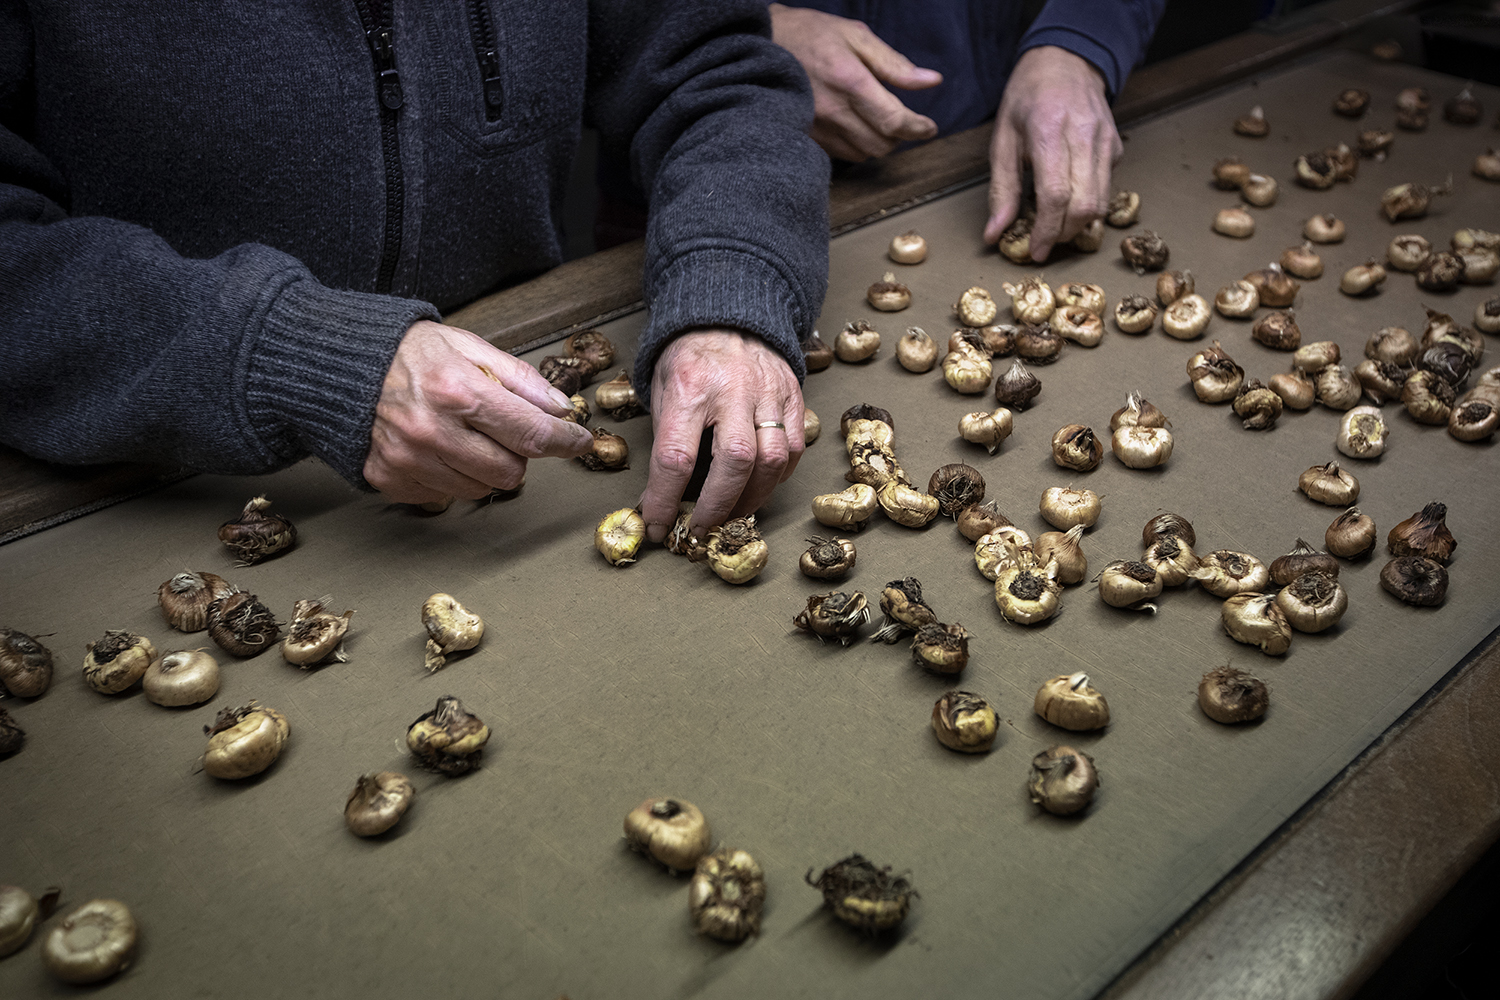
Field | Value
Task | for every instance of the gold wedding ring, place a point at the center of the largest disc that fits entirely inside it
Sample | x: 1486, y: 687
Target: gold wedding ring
x: 770, y: 423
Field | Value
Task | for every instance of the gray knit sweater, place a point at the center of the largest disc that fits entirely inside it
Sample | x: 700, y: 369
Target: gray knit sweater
x: 218, y: 219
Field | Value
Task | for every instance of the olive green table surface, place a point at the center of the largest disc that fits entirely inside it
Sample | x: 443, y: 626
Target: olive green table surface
x: 605, y: 686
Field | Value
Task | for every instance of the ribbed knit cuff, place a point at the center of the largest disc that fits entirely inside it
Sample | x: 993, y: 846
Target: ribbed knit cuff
x: 1096, y: 54
x: 317, y: 369
x: 720, y: 288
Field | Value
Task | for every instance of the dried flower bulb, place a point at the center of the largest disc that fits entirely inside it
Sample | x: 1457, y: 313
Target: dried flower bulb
x: 965, y: 722
x: 1425, y: 533
x: 1187, y: 318
x: 672, y: 831
x: 968, y: 371
x: 1325, y: 228
x: 1411, y: 120
x: 888, y: 294
x: 1278, y: 330
x: 1260, y: 190
x: 1214, y: 375
x: 1137, y: 412
x: 1226, y: 572
x: 736, y: 551
x: 1253, y: 124
x: 956, y: 486
x: 1351, y: 535
x: 1428, y: 397
x: 92, y: 943
x: 988, y: 429
x: 451, y: 627
x: 1329, y: 484
x: 1302, y: 261
x: 1463, y: 108
x: 186, y: 677
x: 1063, y: 780
x: 1041, y: 345
x: 580, y: 414
x: 905, y: 505
x: 1129, y: 584
x: 1031, y: 301
x: 1314, y: 602
x: 811, y: 426
x: 1277, y: 289
x: 904, y: 609
x: 1337, y: 388
x: 1017, y: 387
x: 1255, y: 620
x: 916, y: 351
x: 834, y: 616
x: 19, y: 914
x: 618, y: 398
x: 857, y: 341
x: 1363, y: 278
x: 241, y: 625
x: 1474, y: 420
x: 908, y: 248
x: 827, y: 558
x: 185, y: 598
x: 1237, y: 300
x: 1077, y: 447
x: 25, y: 664
x: 567, y: 375
x: 377, y: 803
x: 1351, y: 103
x: 1413, y: 99
x: 1478, y: 265
x: 1027, y: 595
x: 975, y: 307
x: 727, y: 894
x: 1316, y: 171
x: 1065, y: 508
x: 1069, y: 701
x: 862, y: 895
x: 1257, y: 406
x: 1173, y: 285
x: 848, y: 510
x: 1302, y: 559
x: 1090, y: 238
x: 1375, y: 143
x: 1078, y: 325
x: 610, y: 452
x: 1234, y: 222
x: 617, y: 537
x: 1168, y: 525
x: 315, y: 636
x: 595, y: 349
x: 1231, y: 696
x: 1015, y: 241
x: 1123, y: 210
x: 1142, y: 447
x: 1145, y: 251
x: 1362, y: 433
x: 115, y: 662
x: 1084, y: 296
x: 943, y: 649
x: 1415, y: 580
x: 1135, y: 314
x: 1487, y: 165
x: 449, y: 739
x: 1173, y: 560
x: 997, y: 338
x: 816, y: 354
x: 1316, y: 356
x: 1408, y: 252
x: 1440, y: 272
x: 244, y: 741
x: 1066, y: 549
x: 1392, y: 344
x: 257, y: 535
x: 1410, y: 201
x: 12, y: 737
x: 1230, y: 173
x: 978, y: 520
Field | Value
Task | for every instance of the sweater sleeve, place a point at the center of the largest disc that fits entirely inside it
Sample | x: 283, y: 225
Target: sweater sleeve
x: 711, y: 117
x: 1112, y: 35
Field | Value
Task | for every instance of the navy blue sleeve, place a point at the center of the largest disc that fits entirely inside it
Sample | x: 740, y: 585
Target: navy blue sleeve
x: 1111, y: 34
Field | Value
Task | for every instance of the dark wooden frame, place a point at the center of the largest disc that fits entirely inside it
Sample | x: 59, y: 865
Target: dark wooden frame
x: 1323, y: 901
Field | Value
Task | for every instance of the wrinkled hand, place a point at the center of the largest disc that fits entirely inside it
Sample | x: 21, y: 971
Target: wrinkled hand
x: 728, y: 381
x: 1055, y: 116
x: 855, y: 116
x: 444, y: 428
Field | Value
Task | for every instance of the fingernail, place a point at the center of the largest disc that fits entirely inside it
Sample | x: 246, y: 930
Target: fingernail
x: 656, y: 533
x: 559, y: 400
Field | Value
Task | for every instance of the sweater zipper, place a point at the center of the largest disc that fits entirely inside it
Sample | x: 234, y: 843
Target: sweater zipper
x: 482, y: 32
x: 381, y: 37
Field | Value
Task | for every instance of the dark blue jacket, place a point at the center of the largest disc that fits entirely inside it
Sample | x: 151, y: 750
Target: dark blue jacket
x: 974, y: 44
x: 217, y: 219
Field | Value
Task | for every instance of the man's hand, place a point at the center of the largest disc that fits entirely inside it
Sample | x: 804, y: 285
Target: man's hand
x: 731, y: 382
x: 855, y: 116
x: 458, y: 417
x: 1054, y: 115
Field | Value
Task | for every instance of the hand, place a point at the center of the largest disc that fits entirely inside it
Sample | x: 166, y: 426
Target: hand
x: 728, y: 381
x: 458, y: 417
x: 855, y: 117
x: 1054, y: 115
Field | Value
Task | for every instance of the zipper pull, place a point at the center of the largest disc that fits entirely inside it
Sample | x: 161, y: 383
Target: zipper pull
x: 382, y: 43
x: 494, y: 90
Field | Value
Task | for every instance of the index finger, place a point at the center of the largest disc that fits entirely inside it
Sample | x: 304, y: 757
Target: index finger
x: 1051, y: 169
x: 1005, y: 179
x: 516, y: 424
x: 884, y: 112
x: 674, y: 455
